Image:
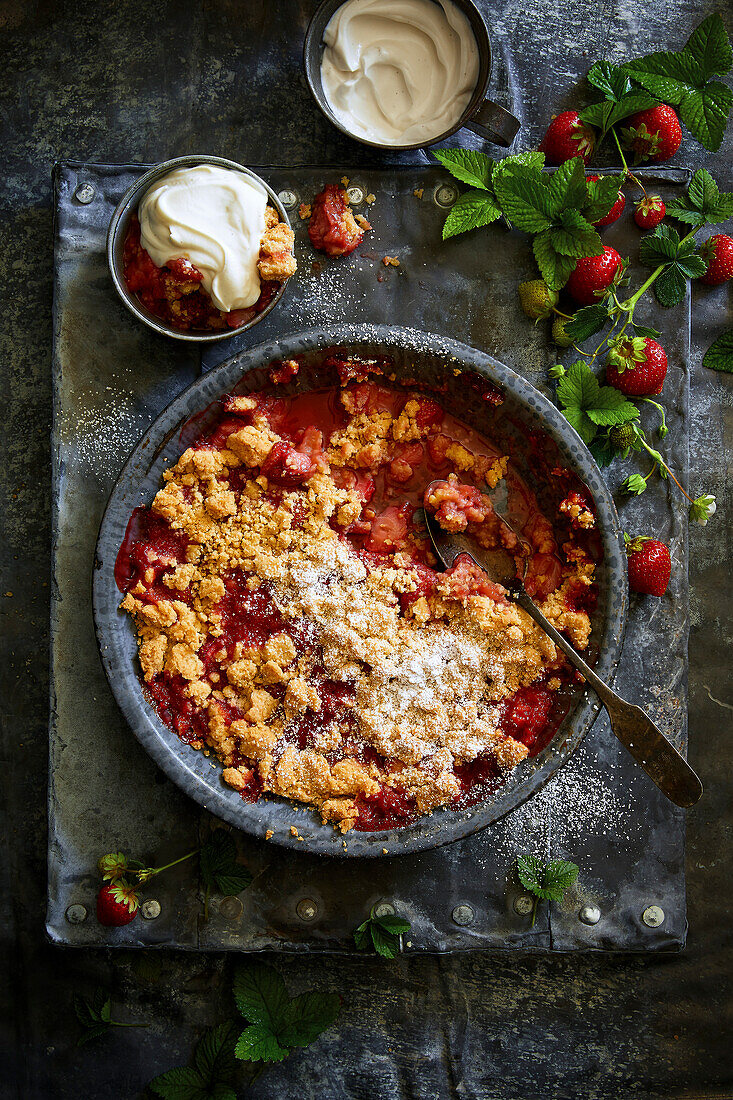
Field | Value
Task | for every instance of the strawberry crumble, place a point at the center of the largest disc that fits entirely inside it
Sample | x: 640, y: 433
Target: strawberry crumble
x: 290, y: 617
x: 174, y: 292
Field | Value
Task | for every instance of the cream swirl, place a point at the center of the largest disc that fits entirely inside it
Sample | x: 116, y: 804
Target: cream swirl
x: 214, y: 217
x: 399, y: 72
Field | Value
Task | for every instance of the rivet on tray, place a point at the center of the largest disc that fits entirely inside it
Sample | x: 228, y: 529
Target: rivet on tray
x: 288, y: 198
x: 306, y: 909
x: 384, y: 909
x: 150, y: 909
x: 463, y: 914
x: 231, y: 907
x: 445, y: 194
x: 653, y: 916
x: 589, y: 914
x: 76, y: 914
x: 355, y: 194
x: 84, y: 193
x: 523, y: 904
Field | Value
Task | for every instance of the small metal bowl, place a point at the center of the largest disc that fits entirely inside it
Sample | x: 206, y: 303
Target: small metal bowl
x: 117, y: 233
x: 482, y: 115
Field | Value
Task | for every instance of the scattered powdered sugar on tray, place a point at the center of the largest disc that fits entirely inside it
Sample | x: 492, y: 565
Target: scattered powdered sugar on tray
x: 102, y: 435
x: 580, y: 801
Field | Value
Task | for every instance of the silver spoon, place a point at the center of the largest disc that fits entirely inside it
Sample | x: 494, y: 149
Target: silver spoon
x: 634, y: 729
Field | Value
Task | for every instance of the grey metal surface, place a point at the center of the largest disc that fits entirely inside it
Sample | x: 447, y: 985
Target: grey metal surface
x: 599, y: 804
x: 144, y: 82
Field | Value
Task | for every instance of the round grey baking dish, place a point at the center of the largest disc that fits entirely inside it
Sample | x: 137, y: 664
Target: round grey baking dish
x: 117, y: 232
x: 417, y: 355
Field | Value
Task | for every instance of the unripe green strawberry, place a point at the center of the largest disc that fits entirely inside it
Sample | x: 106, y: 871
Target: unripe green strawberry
x: 536, y: 299
x: 622, y: 436
x: 559, y: 335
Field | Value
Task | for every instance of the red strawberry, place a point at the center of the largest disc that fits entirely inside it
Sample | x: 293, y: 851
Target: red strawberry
x: 593, y: 276
x: 649, y: 212
x: 718, y: 251
x: 117, y: 903
x: 636, y: 366
x: 654, y: 134
x: 568, y: 137
x: 616, y: 210
x: 650, y: 566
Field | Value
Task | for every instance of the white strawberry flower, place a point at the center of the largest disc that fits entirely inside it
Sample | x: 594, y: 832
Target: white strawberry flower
x: 702, y: 509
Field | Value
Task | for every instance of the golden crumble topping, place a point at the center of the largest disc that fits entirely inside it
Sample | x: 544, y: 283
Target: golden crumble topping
x: 301, y: 633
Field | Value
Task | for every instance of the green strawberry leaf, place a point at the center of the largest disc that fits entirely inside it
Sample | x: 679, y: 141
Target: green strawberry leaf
x: 642, y: 330
x: 574, y: 236
x: 470, y: 211
x: 703, y: 204
x: 603, y: 451
x: 578, y: 387
x: 306, y: 1017
x: 532, y: 159
x: 257, y: 1043
x: 602, y: 195
x: 582, y: 423
x: 180, y: 1084
x: 530, y: 870
x: 671, y: 286
x: 385, y: 942
x: 719, y: 355
x: 555, y: 268
x: 260, y: 994
x: 709, y: 46
x: 658, y: 247
x: 587, y: 322
x: 559, y: 875
x: 468, y: 166
x: 522, y: 193
x: 682, y: 79
x: 214, y: 1057
x: 611, y: 407
x: 218, y: 865
x: 398, y: 926
x: 567, y: 187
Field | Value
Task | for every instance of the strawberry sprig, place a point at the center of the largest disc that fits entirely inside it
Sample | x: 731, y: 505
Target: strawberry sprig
x: 119, y: 898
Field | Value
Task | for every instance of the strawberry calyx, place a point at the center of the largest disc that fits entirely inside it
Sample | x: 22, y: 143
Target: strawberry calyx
x: 643, y: 144
x: 626, y: 352
x: 651, y: 204
x: 124, y: 893
x: 113, y: 866
x: 636, y: 543
x: 584, y: 137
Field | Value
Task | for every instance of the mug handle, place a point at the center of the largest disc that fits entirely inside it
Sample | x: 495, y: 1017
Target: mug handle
x: 494, y: 123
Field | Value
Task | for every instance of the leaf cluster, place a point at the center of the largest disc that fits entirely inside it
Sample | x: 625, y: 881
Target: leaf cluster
x: 546, y: 879
x: 683, y: 79
x: 588, y: 405
x: 679, y: 261
x: 620, y: 98
x: 556, y: 209
x: 213, y: 1071
x: 382, y: 933
x: 219, y: 868
x: 704, y: 203
x: 277, y: 1023
x: 95, y: 1016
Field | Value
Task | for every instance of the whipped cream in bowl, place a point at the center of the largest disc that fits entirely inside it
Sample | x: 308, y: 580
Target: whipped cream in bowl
x: 398, y: 72
x: 212, y: 214
x: 402, y: 74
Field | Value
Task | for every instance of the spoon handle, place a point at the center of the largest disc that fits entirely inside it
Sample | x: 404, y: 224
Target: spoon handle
x: 634, y: 729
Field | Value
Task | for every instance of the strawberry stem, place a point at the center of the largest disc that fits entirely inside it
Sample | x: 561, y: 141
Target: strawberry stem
x: 146, y: 873
x: 627, y: 171
x: 658, y: 459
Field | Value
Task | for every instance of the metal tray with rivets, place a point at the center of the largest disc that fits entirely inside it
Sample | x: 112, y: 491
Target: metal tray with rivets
x: 111, y: 378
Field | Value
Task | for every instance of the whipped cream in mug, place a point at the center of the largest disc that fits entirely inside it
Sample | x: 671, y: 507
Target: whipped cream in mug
x: 399, y: 72
x: 214, y: 217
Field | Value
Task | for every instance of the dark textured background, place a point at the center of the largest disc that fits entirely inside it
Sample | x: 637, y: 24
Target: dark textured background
x: 130, y: 81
